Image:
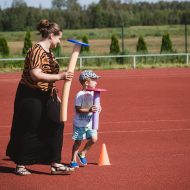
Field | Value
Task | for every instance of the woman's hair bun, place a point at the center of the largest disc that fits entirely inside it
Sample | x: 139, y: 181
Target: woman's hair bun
x: 45, y: 28
x: 43, y: 24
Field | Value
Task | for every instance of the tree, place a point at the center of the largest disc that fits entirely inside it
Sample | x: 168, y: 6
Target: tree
x: 104, y: 4
x: 19, y: 3
x: 4, y: 49
x: 141, y: 45
x: 73, y: 5
x: 59, y: 4
x: 106, y: 13
x: 166, y: 46
x: 85, y: 48
x: 1, y: 20
x: 73, y: 14
x: 114, y: 47
x: 27, y: 43
x: 14, y: 18
x: 95, y: 16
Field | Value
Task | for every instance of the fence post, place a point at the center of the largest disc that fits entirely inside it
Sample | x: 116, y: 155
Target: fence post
x: 187, y: 59
x: 80, y: 67
x: 134, y: 61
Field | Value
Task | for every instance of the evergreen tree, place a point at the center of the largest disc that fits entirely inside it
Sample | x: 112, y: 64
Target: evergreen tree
x: 85, y: 48
x: 141, y: 45
x: 27, y: 43
x: 114, y: 47
x: 4, y: 49
x: 57, y: 50
x: 166, y: 46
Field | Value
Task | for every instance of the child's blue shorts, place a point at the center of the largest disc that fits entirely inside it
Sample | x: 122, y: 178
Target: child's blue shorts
x: 81, y: 133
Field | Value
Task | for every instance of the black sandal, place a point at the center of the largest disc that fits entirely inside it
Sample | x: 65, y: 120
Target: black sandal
x: 62, y: 169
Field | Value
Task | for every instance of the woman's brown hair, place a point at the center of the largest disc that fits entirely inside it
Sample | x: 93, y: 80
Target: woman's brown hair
x: 45, y: 28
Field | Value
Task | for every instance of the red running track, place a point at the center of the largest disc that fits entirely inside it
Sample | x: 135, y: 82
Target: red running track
x: 145, y: 124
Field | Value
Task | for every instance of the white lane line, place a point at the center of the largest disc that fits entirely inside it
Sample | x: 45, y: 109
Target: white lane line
x: 145, y: 130
x: 147, y: 76
x: 120, y: 122
x: 146, y: 121
x: 131, y: 131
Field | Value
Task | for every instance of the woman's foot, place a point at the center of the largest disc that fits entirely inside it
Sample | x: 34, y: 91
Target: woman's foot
x: 21, y: 170
x: 61, y: 169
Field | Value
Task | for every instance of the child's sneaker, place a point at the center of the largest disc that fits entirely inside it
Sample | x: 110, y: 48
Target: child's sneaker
x: 74, y: 165
x: 82, y: 159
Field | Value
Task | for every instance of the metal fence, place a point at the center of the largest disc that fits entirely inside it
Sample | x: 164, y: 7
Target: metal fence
x: 133, y: 60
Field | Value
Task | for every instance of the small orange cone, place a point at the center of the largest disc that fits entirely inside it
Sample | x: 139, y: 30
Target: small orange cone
x: 104, y: 159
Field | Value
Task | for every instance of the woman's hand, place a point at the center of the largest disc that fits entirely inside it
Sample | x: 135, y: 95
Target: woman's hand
x: 58, y: 98
x: 66, y: 76
x: 38, y: 76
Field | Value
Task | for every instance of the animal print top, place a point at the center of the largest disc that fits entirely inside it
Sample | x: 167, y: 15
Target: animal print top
x: 37, y: 57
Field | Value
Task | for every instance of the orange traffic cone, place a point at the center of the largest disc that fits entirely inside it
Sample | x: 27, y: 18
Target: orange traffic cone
x: 104, y: 159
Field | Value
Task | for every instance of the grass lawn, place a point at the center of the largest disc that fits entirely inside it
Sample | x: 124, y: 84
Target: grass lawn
x: 100, y: 39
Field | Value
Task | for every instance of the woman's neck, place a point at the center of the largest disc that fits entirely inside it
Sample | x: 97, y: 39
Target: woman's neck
x: 45, y: 43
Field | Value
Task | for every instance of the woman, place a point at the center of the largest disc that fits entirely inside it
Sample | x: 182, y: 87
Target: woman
x: 36, y: 137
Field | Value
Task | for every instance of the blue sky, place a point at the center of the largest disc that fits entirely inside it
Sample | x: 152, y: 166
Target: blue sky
x: 43, y: 3
x: 47, y: 3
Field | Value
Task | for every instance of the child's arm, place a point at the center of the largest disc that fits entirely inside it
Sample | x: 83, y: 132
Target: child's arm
x: 93, y: 109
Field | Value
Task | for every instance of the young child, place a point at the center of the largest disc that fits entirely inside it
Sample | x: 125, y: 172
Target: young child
x: 82, y: 124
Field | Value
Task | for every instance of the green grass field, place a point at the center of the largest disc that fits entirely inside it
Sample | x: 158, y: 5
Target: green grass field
x: 100, y: 39
x: 105, y: 33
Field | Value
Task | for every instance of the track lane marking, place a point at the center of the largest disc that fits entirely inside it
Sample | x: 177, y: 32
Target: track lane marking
x: 130, y: 121
x: 131, y: 131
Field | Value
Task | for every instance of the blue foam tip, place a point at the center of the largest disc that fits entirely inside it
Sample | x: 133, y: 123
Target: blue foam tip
x: 77, y: 42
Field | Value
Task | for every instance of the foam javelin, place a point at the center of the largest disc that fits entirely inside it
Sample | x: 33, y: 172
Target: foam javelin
x: 96, y: 102
x: 67, y: 84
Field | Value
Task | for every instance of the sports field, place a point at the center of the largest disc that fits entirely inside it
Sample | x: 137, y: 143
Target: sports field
x: 145, y: 124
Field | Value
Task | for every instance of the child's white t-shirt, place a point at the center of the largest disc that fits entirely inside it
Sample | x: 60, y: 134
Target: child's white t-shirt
x: 83, y: 99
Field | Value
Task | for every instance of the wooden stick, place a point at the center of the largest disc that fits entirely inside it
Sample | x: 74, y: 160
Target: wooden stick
x: 67, y: 85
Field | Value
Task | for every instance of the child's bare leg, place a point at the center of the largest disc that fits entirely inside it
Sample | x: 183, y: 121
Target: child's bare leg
x: 88, y: 145
x: 75, y: 149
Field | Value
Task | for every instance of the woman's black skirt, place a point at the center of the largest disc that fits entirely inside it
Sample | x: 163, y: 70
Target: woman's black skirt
x: 34, y: 137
